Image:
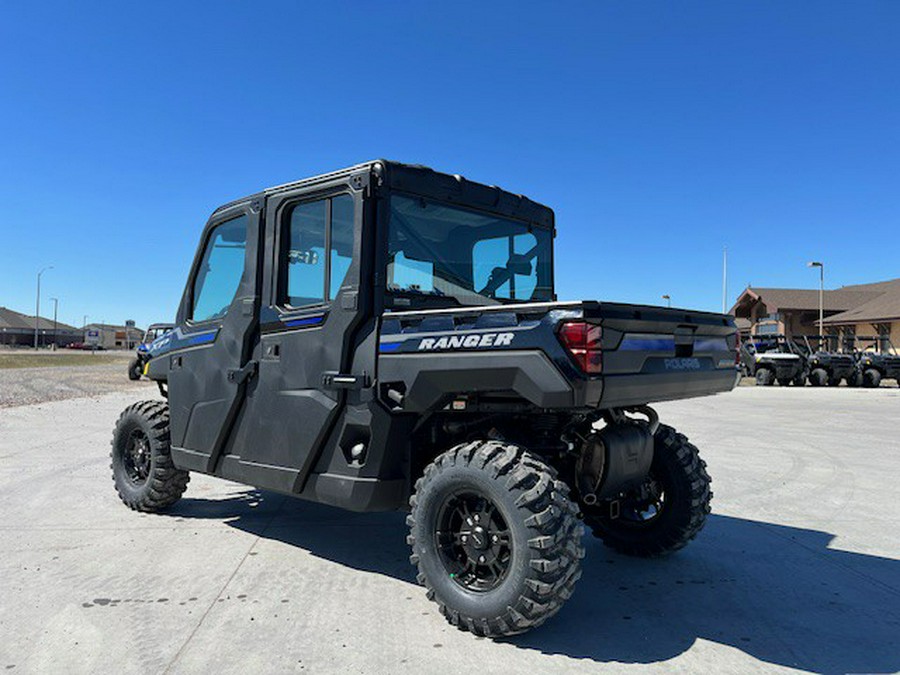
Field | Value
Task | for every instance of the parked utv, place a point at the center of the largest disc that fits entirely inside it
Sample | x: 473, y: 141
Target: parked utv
x: 876, y: 360
x: 136, y: 365
x: 825, y: 364
x: 773, y: 358
x: 388, y: 337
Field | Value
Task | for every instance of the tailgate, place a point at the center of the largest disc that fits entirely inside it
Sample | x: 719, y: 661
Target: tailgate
x: 657, y: 353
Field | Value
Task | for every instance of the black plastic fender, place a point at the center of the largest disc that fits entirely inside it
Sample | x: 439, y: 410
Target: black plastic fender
x: 429, y: 380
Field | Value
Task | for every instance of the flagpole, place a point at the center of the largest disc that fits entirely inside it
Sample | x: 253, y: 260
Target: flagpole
x: 724, y: 279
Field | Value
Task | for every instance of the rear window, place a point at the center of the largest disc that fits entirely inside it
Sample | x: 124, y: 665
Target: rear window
x: 439, y: 250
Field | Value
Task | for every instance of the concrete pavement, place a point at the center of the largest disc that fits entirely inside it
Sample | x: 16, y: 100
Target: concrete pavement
x: 799, y: 567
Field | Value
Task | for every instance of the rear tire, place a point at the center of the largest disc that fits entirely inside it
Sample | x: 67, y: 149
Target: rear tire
x: 495, y: 538
x: 855, y: 380
x: 135, y: 370
x: 764, y: 377
x: 143, y: 472
x: 680, y: 508
x: 818, y: 377
x: 871, y: 378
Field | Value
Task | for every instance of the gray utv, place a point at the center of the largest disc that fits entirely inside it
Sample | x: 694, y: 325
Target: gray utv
x: 388, y: 337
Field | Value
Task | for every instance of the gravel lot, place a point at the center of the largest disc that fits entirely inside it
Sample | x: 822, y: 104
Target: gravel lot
x: 61, y: 380
x: 797, y: 568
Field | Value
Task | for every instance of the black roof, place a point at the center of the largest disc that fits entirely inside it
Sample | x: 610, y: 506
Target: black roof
x: 423, y: 180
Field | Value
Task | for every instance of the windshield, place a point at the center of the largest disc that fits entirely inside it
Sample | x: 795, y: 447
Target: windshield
x: 435, y: 250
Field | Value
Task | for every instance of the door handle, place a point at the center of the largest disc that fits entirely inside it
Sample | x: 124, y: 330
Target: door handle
x: 332, y: 380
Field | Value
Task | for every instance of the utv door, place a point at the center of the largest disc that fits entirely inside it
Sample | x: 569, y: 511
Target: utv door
x: 312, y: 308
x: 217, y: 321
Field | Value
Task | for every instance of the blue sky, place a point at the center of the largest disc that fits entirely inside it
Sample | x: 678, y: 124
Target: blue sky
x: 658, y: 131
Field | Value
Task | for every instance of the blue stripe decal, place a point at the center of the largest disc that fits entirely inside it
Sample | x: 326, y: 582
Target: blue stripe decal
x: 389, y: 346
x: 202, y: 338
x: 648, y: 344
x: 306, y: 321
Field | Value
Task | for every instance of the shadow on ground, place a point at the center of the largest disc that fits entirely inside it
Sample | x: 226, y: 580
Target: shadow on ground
x: 777, y: 593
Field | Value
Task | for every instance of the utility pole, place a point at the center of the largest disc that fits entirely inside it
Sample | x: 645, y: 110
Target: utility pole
x: 55, y: 309
x: 37, y: 305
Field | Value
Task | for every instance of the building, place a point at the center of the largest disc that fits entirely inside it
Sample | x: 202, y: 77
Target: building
x: 17, y: 329
x: 862, y: 309
x: 879, y: 315
x: 114, y: 337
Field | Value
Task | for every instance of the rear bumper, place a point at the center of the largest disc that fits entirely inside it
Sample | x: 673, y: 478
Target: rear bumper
x: 641, y: 388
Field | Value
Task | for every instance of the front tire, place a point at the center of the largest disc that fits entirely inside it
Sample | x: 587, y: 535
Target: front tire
x: 818, y: 377
x: 495, y: 538
x: 871, y: 378
x: 764, y: 377
x: 135, y: 370
x: 668, y: 511
x: 143, y: 472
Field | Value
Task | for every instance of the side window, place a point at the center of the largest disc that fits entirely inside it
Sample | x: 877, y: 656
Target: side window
x: 306, y: 254
x: 341, y: 241
x: 319, y: 248
x: 220, y: 270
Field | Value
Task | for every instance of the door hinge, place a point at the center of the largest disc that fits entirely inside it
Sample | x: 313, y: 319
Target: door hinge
x: 241, y: 375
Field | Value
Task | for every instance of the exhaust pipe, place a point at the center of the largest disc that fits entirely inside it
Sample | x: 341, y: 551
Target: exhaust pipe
x: 650, y: 414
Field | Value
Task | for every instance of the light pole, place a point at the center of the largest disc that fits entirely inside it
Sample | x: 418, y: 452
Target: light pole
x: 37, y: 305
x: 821, y: 267
x: 55, y: 309
x: 668, y: 300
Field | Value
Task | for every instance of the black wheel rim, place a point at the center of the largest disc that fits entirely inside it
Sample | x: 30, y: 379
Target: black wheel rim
x: 645, y: 505
x: 473, y: 541
x: 136, y: 457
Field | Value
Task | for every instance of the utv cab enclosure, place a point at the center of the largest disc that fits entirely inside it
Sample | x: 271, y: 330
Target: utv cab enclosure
x: 388, y: 337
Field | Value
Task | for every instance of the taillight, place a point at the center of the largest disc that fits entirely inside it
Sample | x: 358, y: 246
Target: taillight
x: 582, y: 341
